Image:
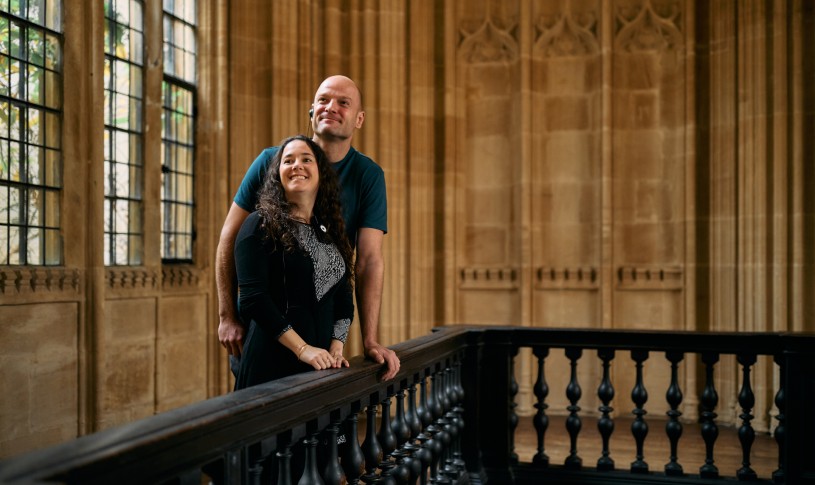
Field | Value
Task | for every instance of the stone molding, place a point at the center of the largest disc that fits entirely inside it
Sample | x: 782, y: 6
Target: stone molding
x: 40, y: 280
x: 576, y: 278
x: 131, y: 278
x: 177, y: 277
x: 650, y: 278
x: 491, y: 278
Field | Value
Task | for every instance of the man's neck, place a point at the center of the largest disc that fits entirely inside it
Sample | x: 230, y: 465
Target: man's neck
x: 335, y: 150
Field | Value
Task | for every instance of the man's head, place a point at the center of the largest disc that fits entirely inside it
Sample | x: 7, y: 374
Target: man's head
x: 337, y: 109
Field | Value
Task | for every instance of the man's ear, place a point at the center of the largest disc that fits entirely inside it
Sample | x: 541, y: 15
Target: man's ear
x: 360, y: 119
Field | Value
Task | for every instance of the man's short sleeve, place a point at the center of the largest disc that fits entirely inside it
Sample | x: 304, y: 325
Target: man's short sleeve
x: 374, y: 203
x: 247, y: 195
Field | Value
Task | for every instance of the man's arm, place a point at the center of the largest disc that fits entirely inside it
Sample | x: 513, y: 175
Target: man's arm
x: 230, y: 329
x: 370, y: 278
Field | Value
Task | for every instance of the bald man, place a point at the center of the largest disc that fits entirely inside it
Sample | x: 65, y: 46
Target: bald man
x: 336, y: 114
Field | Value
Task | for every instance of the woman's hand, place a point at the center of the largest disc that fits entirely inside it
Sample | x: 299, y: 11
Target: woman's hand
x: 316, y: 357
x: 335, y: 349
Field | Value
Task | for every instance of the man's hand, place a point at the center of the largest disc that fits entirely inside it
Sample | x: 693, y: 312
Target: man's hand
x: 231, y: 333
x: 383, y: 355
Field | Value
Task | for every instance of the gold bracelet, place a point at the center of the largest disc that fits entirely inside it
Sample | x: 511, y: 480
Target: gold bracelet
x: 300, y: 350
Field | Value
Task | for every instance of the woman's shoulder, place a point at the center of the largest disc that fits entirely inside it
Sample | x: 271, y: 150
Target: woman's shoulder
x: 251, y: 226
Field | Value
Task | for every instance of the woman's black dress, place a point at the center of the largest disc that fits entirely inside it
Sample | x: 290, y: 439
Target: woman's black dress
x: 305, y: 289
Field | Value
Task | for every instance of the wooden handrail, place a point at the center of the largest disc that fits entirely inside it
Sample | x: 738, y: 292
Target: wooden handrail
x: 182, y: 441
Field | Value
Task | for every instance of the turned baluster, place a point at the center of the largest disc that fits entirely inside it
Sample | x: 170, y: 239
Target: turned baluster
x: 387, y: 439
x: 332, y: 472
x: 710, y: 431
x: 401, y: 470
x: 425, y: 456
x: 513, y: 416
x: 310, y: 474
x: 639, y: 428
x: 747, y: 434
x: 444, y: 390
x: 459, y: 409
x: 371, y: 447
x: 424, y: 412
x: 413, y: 461
x: 779, y: 475
x: 605, y: 424
x: 452, y: 423
x: 255, y: 469
x: 443, y: 427
x: 573, y: 423
x: 435, y: 403
x: 353, y: 459
x: 284, y: 465
x: 412, y: 418
x: 399, y: 425
x: 541, y: 420
x: 386, y: 436
x: 673, y: 428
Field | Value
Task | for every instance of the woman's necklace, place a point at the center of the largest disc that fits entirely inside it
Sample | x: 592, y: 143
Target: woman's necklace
x: 302, y: 220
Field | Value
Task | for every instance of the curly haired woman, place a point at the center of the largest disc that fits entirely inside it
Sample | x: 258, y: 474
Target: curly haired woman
x: 293, y: 262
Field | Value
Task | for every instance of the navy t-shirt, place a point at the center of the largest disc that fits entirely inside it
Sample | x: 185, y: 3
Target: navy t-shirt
x: 362, y: 191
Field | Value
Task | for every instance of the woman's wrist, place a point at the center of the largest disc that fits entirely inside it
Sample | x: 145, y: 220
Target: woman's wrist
x: 301, y: 349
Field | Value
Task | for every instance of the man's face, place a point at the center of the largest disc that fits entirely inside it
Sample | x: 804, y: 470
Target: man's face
x: 337, y: 109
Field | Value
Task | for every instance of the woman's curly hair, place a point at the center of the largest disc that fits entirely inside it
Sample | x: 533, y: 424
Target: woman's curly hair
x: 275, y: 210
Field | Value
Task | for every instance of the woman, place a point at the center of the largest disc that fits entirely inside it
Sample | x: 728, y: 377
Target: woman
x: 293, y: 262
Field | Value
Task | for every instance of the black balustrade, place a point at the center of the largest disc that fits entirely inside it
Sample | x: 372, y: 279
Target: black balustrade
x: 639, y: 428
x: 371, y: 447
x: 541, y: 420
x: 459, y: 422
x: 780, y: 430
x: 746, y: 433
x: 710, y: 430
x: 573, y: 422
x: 332, y: 471
x: 353, y: 460
x: 673, y: 428
x: 605, y: 425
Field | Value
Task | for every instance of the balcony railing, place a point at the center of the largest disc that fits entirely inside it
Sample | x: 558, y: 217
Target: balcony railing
x: 449, y: 417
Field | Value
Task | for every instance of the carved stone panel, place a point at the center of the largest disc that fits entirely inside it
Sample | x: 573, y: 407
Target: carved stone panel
x: 566, y: 162
x: 649, y: 161
x: 39, y: 355
x: 490, y: 157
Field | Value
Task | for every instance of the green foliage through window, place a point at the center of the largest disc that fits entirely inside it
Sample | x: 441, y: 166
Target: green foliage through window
x: 30, y: 131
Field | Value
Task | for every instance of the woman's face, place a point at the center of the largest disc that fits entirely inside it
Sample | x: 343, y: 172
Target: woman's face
x: 299, y: 173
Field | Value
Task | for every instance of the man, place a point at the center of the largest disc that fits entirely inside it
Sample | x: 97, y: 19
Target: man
x: 336, y: 114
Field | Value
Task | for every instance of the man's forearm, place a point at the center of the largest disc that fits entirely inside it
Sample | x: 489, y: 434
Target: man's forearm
x: 225, y: 280
x: 369, y: 283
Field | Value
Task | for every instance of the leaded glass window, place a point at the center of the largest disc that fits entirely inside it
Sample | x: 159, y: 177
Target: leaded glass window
x: 30, y: 132
x: 178, y: 130
x: 123, y: 143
